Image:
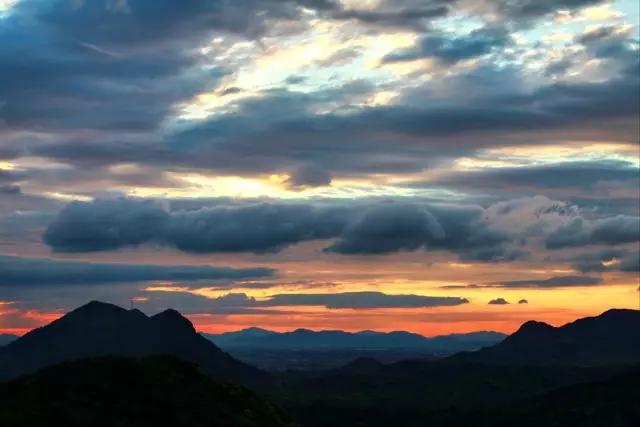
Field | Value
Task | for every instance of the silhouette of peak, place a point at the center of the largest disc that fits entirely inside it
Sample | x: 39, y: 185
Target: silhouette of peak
x: 99, y: 329
x: 621, y: 313
x: 172, y: 319
x: 533, y: 326
x: 97, y: 310
x: 98, y: 307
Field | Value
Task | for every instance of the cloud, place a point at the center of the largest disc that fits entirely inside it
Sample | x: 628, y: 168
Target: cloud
x: 605, y: 231
x: 504, y: 231
x: 552, y: 282
x: 523, y: 301
x: 610, y: 259
x: 527, y: 10
x: 16, y: 271
x: 105, y: 224
x: 111, y: 224
x: 91, y: 65
x: 566, y: 175
x: 309, y: 176
x: 450, y: 50
x: 498, y: 301
x: 353, y: 300
x: 407, y: 227
x: 376, y: 229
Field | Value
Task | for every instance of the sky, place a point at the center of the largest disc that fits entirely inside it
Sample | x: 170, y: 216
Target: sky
x: 436, y: 166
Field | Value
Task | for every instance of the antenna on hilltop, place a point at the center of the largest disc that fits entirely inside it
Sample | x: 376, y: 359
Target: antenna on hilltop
x: 131, y: 303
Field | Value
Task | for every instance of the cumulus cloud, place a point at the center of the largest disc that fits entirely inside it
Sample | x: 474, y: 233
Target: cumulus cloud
x: 105, y: 224
x: 498, y: 301
x: 523, y: 301
x: 17, y: 271
x: 376, y: 228
x: 406, y: 227
x: 603, y: 231
x: 504, y: 231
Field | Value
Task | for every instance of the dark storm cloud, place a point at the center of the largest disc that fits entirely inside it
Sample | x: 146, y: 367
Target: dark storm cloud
x: 569, y: 175
x: 406, y: 227
x: 410, y: 14
x: 105, y: 224
x: 376, y: 228
x: 263, y: 134
x: 358, y: 141
x: 613, y: 259
x: 259, y: 228
x: 111, y: 224
x: 44, y: 272
x: 498, y: 301
x: 604, y: 231
x: 110, y: 65
x: 309, y: 176
x: 90, y: 67
x: 451, y: 50
x: 353, y: 300
x: 552, y: 282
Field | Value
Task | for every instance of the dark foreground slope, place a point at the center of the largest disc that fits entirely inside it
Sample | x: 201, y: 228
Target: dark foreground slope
x: 158, y: 391
x: 610, y: 403
x: 98, y: 329
x: 536, y: 361
x: 419, y: 393
x: 610, y: 338
x: 6, y: 339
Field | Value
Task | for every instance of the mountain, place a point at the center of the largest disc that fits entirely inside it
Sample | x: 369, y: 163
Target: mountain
x: 6, y: 339
x: 304, y: 349
x: 432, y: 393
x: 98, y: 329
x: 610, y: 338
x: 114, y: 391
x: 304, y: 339
x: 612, y: 403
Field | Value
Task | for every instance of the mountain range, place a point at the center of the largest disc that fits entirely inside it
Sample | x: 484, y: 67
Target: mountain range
x: 611, y: 338
x: 305, y: 339
x: 99, y: 329
x: 590, y: 362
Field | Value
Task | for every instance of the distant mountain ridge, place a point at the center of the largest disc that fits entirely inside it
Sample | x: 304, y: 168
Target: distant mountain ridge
x: 613, y: 337
x: 7, y: 338
x: 305, y: 339
x: 99, y: 329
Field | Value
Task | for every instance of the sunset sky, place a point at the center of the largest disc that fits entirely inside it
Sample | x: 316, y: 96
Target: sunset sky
x: 434, y: 166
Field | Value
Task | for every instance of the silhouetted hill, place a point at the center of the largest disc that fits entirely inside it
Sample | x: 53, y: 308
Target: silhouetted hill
x: 99, y: 329
x: 6, y: 339
x: 609, y: 403
x: 610, y: 338
x: 304, y: 339
x: 419, y: 393
x: 108, y: 392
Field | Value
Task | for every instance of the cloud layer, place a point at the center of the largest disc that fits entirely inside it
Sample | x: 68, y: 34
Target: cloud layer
x: 16, y: 271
